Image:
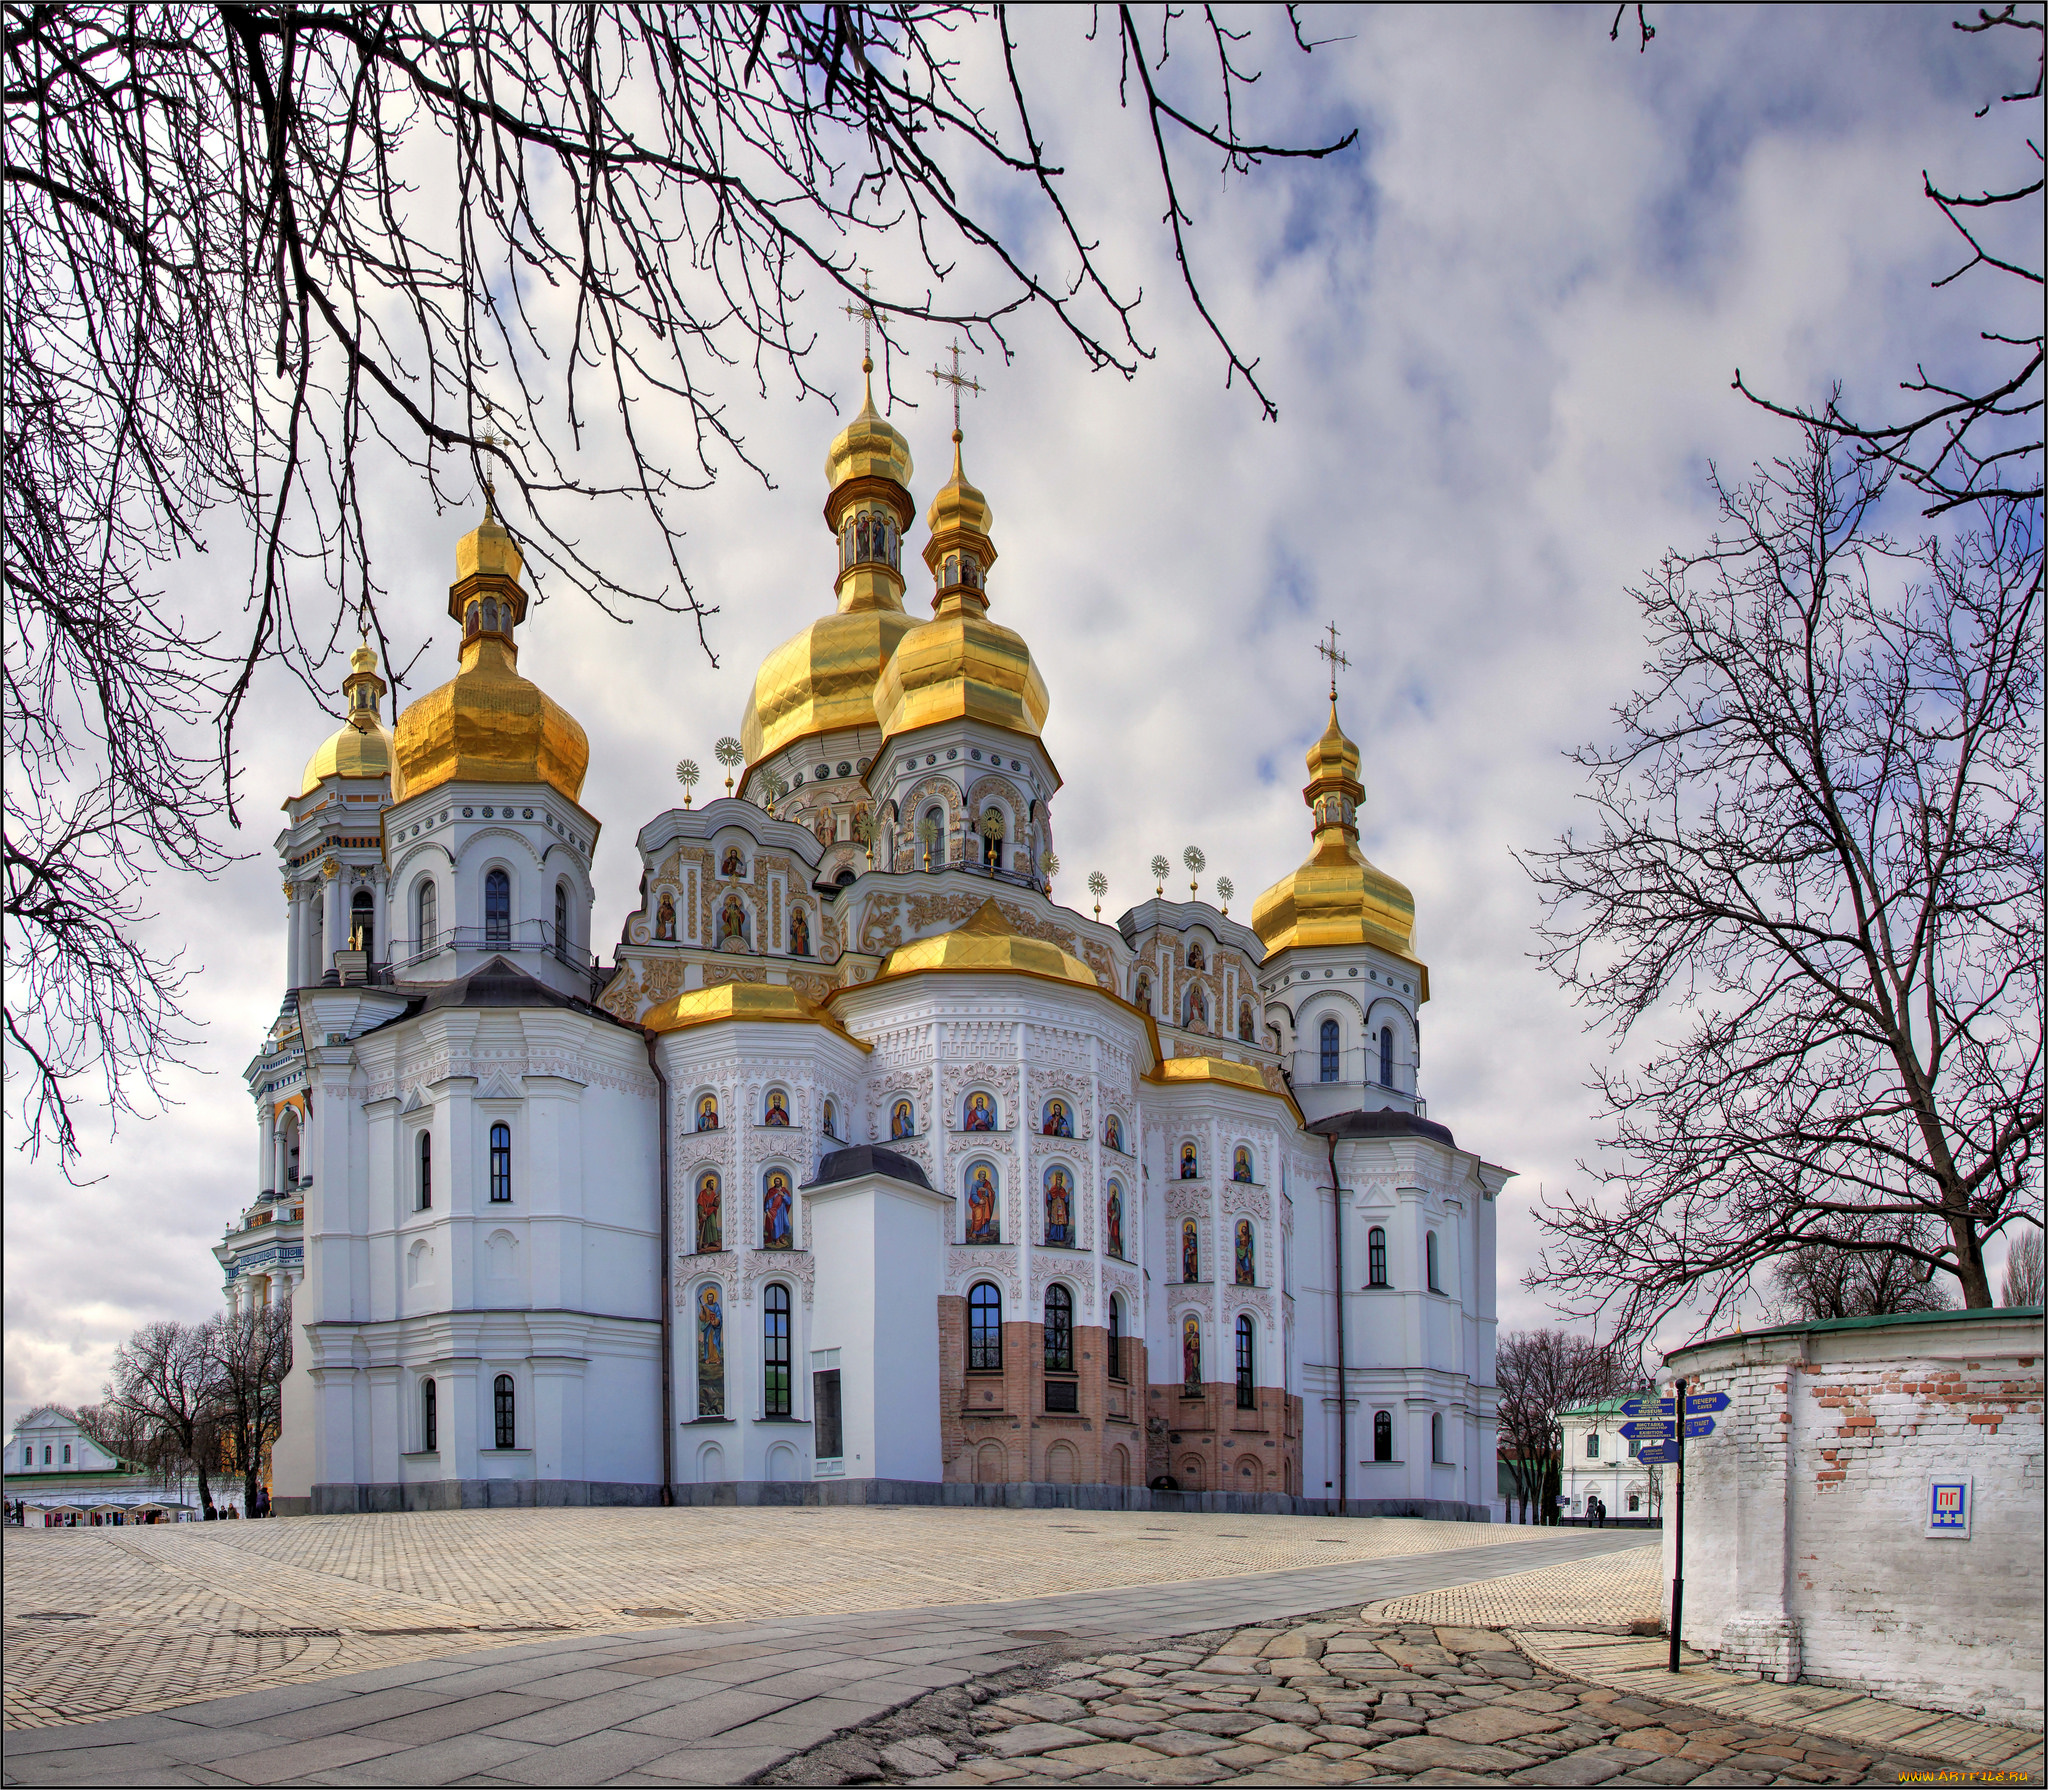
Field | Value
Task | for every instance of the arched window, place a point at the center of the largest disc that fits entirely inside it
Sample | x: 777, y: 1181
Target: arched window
x: 501, y: 1162
x: 362, y: 923
x: 1116, y: 1336
x: 984, y: 1328
x: 1383, y: 1435
x: 562, y: 940
x: 1247, y: 1388
x: 1436, y: 1436
x: 775, y: 1350
x: 502, y: 1412
x: 497, y: 908
x: 1330, y: 1042
x: 291, y: 1153
x: 1245, y: 1255
x: 1059, y: 1330
x: 1386, y: 1056
x: 1592, y: 1445
x: 1376, y: 1257
x: 430, y: 1418
x: 1429, y: 1260
x: 424, y: 1188
x: 428, y: 913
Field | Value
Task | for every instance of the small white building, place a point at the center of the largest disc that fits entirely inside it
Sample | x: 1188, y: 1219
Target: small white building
x: 59, y: 1477
x: 1867, y: 1512
x: 1599, y: 1461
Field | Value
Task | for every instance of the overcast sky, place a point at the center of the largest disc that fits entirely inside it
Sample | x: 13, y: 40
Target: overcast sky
x: 1500, y: 332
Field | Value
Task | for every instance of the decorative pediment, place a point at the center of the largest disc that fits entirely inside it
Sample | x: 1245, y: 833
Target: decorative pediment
x: 416, y: 1101
x: 497, y: 1088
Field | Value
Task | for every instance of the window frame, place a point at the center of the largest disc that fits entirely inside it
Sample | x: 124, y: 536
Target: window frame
x: 1116, y: 1337
x: 1386, y: 1056
x: 430, y: 1416
x: 1376, y: 1257
x: 423, y: 1171
x: 500, y: 1158
x: 1437, y: 1457
x: 1330, y: 1051
x: 504, y: 1413
x: 1430, y: 1262
x: 778, y: 1324
x: 1382, y: 1436
x: 1059, y: 1329
x: 497, y: 928
x: 984, y: 1335
x: 1247, y: 1363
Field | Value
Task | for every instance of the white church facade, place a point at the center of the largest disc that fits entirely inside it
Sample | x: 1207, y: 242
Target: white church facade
x: 863, y: 1169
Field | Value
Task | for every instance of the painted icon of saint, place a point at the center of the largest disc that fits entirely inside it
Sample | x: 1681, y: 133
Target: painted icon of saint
x: 707, y: 1112
x: 799, y: 933
x: 1059, y: 1209
x: 831, y: 1121
x: 981, y: 1113
x: 665, y: 919
x: 1059, y: 1122
x: 732, y: 864
x: 1241, y: 1166
x: 981, y: 1205
x: 732, y: 923
x: 710, y: 1353
x: 1113, y: 1221
x: 1113, y: 1134
x: 775, y: 1207
x: 1190, y: 1251
x: 710, y: 1230
x: 1191, y: 1353
x: 777, y: 1109
x: 902, y: 1120
x: 1190, y: 1163
x: 1247, y: 1261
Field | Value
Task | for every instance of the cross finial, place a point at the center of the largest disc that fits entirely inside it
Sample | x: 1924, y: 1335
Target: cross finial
x: 489, y: 438
x: 958, y: 381
x: 1328, y: 650
x: 865, y: 311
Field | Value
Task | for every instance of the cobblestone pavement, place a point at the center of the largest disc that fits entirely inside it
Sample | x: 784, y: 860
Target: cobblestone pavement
x: 1612, y: 1591
x: 101, y: 1622
x: 1338, y: 1699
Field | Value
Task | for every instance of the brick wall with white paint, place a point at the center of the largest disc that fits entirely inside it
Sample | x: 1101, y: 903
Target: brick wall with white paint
x: 1807, y: 1555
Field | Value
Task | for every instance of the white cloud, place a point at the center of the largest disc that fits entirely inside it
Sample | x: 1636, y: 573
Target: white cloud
x: 1500, y: 333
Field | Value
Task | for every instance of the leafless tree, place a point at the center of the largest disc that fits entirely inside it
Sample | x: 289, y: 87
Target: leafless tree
x: 1822, y: 1282
x: 250, y: 1352
x: 2022, y: 1281
x: 1538, y: 1374
x: 1818, y: 850
x: 162, y: 1396
x: 1971, y: 434
x: 262, y: 255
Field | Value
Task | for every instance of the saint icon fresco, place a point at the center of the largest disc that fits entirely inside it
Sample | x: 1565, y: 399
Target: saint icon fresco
x: 1191, y: 1354
x: 1059, y: 1119
x: 710, y: 1353
x: 1113, y: 1220
x: 665, y: 919
x: 707, y: 1112
x: 775, y: 1211
x: 1190, y: 1251
x: 981, y: 1204
x: 1241, y: 1165
x: 799, y: 933
x: 710, y: 1229
x: 831, y: 1121
x: 902, y: 1120
x: 1190, y: 1163
x: 1247, y: 1261
x: 776, y: 1112
x: 1059, y: 1209
x: 732, y: 921
x: 1113, y: 1134
x: 733, y: 863
x: 980, y: 1113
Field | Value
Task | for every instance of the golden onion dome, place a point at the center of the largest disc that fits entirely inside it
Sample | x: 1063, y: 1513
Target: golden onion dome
x: 360, y: 747
x: 769, y: 1003
x: 987, y: 942
x: 1338, y: 896
x: 960, y: 665
x: 870, y: 446
x: 488, y: 724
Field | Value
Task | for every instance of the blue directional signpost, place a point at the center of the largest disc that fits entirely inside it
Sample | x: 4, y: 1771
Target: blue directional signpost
x: 1661, y: 1425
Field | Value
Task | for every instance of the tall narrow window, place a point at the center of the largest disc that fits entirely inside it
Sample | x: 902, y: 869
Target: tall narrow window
x: 506, y: 1432
x: 1116, y: 1336
x: 430, y: 1418
x: 562, y: 917
x: 1059, y: 1330
x: 828, y: 1435
x: 775, y: 1351
x: 426, y: 1175
x: 497, y: 908
x: 429, y: 915
x: 1593, y: 1445
x: 984, y: 1327
x: 1429, y: 1260
x: 362, y: 923
x: 1383, y: 1435
x: 501, y: 1162
x: 1386, y: 1056
x: 1329, y: 1035
x: 291, y: 1156
x: 1375, y: 1257
x: 1436, y: 1436
x: 1247, y: 1386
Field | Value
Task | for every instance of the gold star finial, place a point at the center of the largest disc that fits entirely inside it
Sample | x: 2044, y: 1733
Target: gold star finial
x: 1328, y: 650
x: 959, y: 382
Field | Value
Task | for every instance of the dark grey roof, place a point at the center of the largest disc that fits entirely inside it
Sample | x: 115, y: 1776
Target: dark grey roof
x: 498, y: 983
x: 869, y: 1159
x: 1382, y: 1124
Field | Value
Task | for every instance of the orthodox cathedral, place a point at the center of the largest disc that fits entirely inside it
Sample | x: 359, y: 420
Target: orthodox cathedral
x: 862, y: 1169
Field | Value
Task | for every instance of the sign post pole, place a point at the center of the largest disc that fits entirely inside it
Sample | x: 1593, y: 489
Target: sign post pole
x: 1678, y: 1552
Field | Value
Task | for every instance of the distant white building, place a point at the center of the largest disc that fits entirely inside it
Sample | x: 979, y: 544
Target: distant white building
x: 60, y: 1477
x: 1599, y: 1461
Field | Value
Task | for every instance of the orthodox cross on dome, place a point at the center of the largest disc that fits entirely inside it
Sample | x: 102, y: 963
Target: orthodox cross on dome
x: 865, y: 311
x: 1328, y: 650
x: 959, y: 382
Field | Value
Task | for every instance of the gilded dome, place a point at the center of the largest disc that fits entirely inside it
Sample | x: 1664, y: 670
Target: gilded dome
x: 986, y: 941
x: 361, y: 746
x: 488, y: 724
x: 868, y: 447
x: 768, y: 1003
x: 1338, y: 896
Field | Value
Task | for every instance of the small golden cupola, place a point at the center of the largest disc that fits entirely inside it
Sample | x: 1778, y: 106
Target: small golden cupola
x: 1338, y: 896
x: 823, y: 679
x: 360, y: 747
x: 488, y: 724
x: 960, y: 665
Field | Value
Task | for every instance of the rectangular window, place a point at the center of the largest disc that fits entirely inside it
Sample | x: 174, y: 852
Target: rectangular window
x: 430, y: 1418
x: 830, y: 1439
x: 1376, y: 1257
x: 1063, y: 1395
x: 775, y: 1353
x: 502, y: 1412
x: 501, y: 1163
